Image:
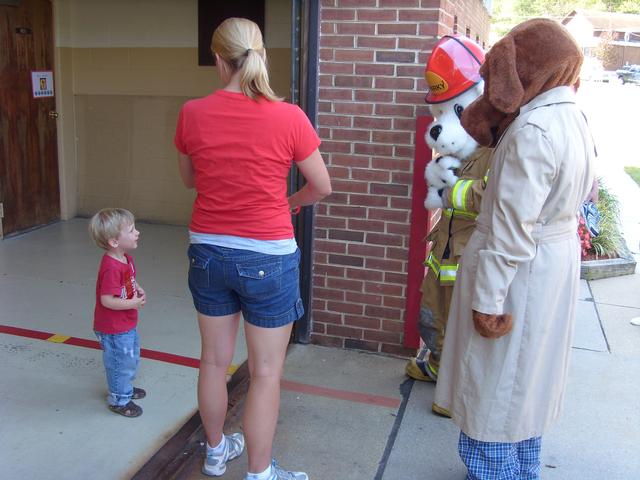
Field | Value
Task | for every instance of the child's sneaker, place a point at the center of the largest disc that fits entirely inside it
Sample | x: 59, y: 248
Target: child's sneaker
x: 130, y: 410
x: 216, y: 465
x: 278, y: 473
x: 138, y: 393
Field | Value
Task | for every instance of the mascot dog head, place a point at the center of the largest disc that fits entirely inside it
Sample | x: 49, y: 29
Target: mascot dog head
x: 453, y: 76
x: 535, y: 56
x: 454, y: 81
x: 445, y: 134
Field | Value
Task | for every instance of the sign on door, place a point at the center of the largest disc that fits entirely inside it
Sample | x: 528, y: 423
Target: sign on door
x: 42, y: 84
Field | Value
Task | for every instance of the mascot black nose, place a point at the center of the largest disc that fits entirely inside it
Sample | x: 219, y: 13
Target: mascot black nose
x: 435, y: 132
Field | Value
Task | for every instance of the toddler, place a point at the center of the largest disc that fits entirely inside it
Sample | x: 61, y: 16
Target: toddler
x: 118, y: 298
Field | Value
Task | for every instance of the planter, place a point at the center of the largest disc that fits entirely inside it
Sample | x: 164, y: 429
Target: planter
x: 607, y: 267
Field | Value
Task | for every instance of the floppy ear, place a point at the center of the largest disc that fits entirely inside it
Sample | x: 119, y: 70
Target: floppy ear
x: 505, y: 90
x: 480, y: 120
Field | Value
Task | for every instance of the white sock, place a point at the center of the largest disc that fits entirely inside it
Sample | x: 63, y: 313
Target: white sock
x: 218, y: 449
x: 260, y: 476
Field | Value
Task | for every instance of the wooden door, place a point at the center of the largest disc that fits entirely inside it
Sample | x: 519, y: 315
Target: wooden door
x: 29, y: 187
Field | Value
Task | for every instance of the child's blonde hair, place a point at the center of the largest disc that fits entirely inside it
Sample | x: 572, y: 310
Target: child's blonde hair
x: 238, y: 41
x: 107, y: 224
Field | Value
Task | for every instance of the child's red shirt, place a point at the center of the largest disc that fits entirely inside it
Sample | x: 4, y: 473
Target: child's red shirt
x: 117, y: 279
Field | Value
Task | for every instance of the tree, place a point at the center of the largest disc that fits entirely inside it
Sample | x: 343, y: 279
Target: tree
x: 604, y: 51
x: 629, y: 6
x: 506, y: 14
x: 560, y: 8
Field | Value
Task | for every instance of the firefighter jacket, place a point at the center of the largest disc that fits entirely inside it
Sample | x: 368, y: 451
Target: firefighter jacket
x: 462, y: 204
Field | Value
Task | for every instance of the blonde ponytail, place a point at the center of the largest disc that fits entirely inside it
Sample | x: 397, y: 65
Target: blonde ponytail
x: 238, y: 42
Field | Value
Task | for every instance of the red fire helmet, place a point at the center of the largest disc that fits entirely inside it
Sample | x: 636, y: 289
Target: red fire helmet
x: 453, y: 68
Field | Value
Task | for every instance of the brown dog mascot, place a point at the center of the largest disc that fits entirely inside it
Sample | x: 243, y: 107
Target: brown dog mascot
x: 505, y: 359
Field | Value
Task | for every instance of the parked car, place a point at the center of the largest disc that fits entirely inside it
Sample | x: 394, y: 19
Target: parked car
x: 629, y: 74
x: 593, y: 71
x: 609, y: 76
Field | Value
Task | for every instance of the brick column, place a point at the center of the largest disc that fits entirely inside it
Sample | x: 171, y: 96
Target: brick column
x: 372, y: 58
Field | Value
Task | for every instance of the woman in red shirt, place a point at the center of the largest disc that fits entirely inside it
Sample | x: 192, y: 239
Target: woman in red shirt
x: 236, y: 148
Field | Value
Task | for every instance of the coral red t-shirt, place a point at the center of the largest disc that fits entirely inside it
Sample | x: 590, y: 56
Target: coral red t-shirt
x: 119, y: 280
x: 241, y: 151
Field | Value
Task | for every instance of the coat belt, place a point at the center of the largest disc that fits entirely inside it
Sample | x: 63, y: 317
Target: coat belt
x: 545, y: 232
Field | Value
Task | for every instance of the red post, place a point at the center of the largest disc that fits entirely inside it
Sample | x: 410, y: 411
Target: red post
x: 420, y: 226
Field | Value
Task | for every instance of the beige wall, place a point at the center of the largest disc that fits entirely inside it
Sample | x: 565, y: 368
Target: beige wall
x: 123, y: 71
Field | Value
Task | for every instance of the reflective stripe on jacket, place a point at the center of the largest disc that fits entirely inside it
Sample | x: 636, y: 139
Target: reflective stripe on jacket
x: 446, y: 272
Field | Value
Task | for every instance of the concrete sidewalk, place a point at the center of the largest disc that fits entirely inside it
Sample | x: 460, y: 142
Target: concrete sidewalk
x: 330, y: 428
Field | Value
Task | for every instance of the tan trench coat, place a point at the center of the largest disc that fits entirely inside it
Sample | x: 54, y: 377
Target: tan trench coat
x: 523, y: 258
x: 452, y: 231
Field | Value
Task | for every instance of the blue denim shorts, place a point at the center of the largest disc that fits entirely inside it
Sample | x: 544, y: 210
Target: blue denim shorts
x: 266, y: 288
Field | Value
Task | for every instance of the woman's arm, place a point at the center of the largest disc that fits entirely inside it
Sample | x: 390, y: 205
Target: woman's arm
x: 186, y: 170
x: 318, y: 183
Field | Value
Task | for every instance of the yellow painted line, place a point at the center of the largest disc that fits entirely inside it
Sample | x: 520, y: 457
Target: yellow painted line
x: 57, y: 338
x: 232, y: 369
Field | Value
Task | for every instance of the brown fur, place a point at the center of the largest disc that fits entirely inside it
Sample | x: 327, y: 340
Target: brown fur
x: 492, y: 326
x: 535, y: 56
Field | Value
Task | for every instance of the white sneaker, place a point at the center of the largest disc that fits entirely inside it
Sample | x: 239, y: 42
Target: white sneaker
x: 635, y: 321
x: 278, y: 473
x: 216, y: 465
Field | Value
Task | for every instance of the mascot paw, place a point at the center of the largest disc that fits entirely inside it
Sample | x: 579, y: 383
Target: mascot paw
x: 448, y: 162
x: 433, y: 175
x: 433, y: 200
x: 492, y: 326
x: 449, y: 178
x: 440, y: 172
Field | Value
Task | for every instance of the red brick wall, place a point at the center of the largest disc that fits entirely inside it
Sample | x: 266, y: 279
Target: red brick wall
x: 372, y: 57
x: 471, y: 16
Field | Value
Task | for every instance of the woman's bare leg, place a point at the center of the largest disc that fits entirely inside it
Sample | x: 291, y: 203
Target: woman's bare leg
x: 266, y: 348
x: 218, y: 336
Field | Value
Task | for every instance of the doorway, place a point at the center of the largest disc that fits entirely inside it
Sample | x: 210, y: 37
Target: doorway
x: 29, y: 184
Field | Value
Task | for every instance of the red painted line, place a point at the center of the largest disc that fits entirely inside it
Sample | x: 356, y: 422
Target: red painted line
x: 83, y: 342
x: 23, y: 332
x: 170, y: 358
x: 195, y: 363
x: 341, y: 394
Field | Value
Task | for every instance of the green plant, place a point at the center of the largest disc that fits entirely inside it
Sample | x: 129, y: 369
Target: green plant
x: 609, y: 243
x: 634, y: 172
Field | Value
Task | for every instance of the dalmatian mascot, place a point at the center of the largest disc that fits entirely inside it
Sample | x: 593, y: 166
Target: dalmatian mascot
x: 456, y: 180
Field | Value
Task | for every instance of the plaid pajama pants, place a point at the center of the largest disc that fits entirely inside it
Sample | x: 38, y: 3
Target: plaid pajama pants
x: 500, y: 461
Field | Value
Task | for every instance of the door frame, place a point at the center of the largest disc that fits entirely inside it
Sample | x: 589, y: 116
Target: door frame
x: 305, y: 30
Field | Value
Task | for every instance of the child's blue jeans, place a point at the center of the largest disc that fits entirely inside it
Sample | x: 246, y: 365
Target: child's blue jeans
x: 121, y: 356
